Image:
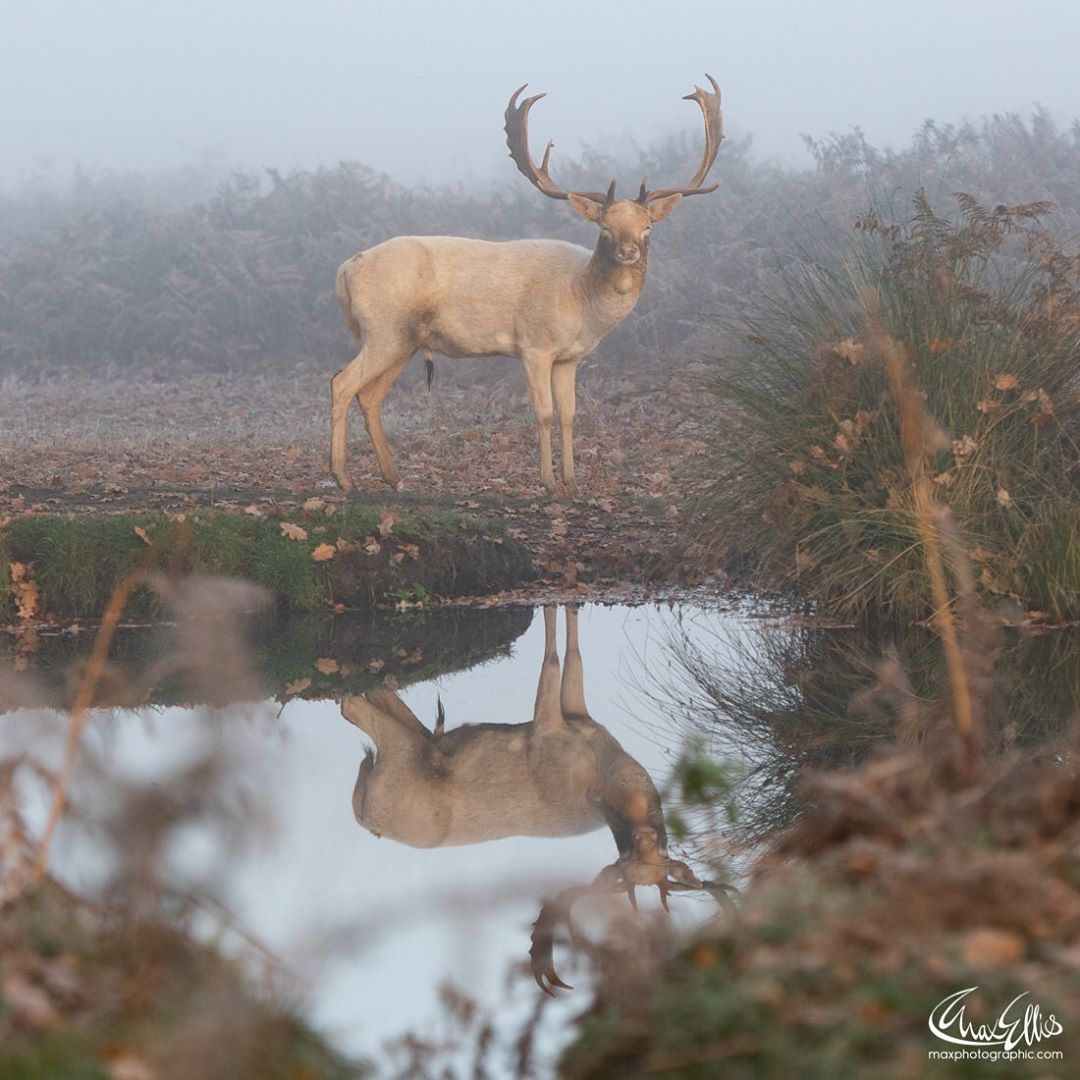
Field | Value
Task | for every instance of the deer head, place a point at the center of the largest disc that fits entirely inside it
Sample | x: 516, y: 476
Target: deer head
x: 624, y: 223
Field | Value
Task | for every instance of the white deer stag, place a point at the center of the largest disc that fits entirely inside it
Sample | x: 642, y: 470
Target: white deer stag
x: 544, y: 301
x: 559, y: 775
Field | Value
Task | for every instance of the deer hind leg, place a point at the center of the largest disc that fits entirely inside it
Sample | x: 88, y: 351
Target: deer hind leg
x: 367, y: 378
x: 370, y: 399
x: 538, y: 377
x: 564, y: 391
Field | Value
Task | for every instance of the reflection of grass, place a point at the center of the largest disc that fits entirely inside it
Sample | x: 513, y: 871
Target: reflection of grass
x: 78, y: 561
x: 789, y: 701
x: 365, y: 646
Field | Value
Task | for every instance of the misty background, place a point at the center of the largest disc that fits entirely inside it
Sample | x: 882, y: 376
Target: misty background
x: 180, y: 181
x: 416, y: 90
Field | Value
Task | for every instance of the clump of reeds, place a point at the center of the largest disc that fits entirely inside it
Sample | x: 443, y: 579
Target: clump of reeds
x: 812, y: 491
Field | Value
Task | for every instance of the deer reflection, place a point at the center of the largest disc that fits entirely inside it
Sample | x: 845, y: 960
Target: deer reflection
x: 561, y: 774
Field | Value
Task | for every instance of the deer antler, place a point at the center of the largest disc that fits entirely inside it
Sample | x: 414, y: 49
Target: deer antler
x: 517, y: 139
x: 680, y: 878
x: 714, y: 133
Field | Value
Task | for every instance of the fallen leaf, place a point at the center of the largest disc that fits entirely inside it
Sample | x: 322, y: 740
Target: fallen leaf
x: 292, y: 453
x: 297, y: 687
x: 24, y: 589
x: 386, y: 526
x: 312, y: 506
x: 850, y: 350
x: 324, y: 552
x: 410, y: 551
x: 140, y: 532
x: 326, y: 665
x: 1004, y: 498
x: 371, y: 546
x: 293, y: 532
x: 375, y: 666
x: 126, y: 1066
x: 1006, y: 381
x: 963, y: 447
x: 993, y: 947
x: 253, y: 511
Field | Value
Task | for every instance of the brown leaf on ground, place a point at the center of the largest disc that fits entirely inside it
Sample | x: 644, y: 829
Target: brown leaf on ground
x: 850, y: 350
x: 140, y: 532
x: 313, y: 506
x: 326, y: 665
x: 386, y: 526
x: 293, y: 532
x: 297, y: 687
x: 990, y: 946
x: 411, y: 551
x: 371, y: 546
x: 324, y: 552
x: 375, y: 666
x: 24, y: 589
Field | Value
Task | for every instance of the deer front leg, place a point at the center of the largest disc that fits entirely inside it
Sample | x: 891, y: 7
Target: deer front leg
x: 563, y: 388
x: 538, y: 369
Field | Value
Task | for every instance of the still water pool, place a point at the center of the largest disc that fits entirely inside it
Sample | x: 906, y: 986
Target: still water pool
x: 380, y: 859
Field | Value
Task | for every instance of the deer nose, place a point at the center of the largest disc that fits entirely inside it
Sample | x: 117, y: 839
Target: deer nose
x: 628, y: 251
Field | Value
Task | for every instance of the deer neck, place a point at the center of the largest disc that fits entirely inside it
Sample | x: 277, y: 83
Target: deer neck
x: 610, y: 289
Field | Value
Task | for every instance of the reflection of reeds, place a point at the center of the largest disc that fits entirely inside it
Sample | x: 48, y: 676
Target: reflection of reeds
x: 88, y: 686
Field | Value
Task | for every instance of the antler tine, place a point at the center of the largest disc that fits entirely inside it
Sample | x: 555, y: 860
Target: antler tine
x: 709, y: 103
x: 542, y: 943
x: 554, y: 912
x: 517, y: 139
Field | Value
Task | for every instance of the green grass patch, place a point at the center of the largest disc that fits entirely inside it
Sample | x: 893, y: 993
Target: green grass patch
x: 79, y: 561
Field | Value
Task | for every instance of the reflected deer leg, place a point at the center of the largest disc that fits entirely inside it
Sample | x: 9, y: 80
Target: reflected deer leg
x: 572, y: 693
x: 547, y: 715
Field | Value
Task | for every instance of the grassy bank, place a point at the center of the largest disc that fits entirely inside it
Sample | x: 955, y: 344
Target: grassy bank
x: 357, y: 556
x: 814, y: 493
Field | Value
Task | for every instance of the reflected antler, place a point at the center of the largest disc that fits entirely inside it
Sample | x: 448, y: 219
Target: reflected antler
x: 714, y: 134
x: 517, y: 139
x: 553, y: 913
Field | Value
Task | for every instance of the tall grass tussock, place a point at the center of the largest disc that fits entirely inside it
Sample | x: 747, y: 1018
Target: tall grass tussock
x: 811, y: 493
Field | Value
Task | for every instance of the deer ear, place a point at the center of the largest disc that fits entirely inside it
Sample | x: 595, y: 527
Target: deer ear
x: 589, y: 210
x: 662, y: 207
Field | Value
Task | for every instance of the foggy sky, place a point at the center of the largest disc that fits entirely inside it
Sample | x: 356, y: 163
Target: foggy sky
x: 417, y: 89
